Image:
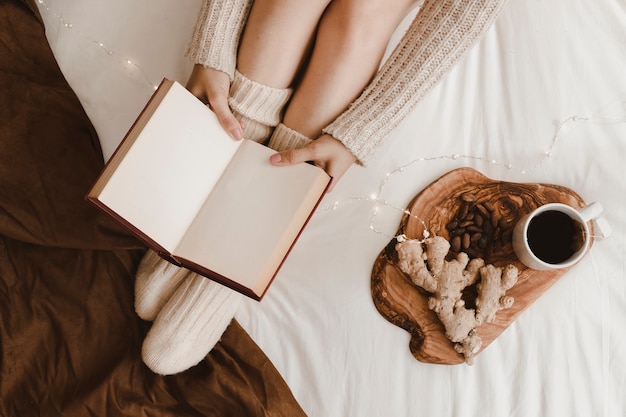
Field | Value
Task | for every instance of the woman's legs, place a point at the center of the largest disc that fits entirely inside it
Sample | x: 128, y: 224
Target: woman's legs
x: 274, y: 44
x: 277, y: 39
x: 350, y: 43
x: 346, y: 40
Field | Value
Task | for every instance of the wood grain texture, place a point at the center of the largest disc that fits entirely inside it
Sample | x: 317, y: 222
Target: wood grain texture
x: 438, y: 207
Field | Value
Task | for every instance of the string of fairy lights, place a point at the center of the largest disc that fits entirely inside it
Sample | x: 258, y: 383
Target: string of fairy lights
x: 374, y: 198
x: 124, y: 59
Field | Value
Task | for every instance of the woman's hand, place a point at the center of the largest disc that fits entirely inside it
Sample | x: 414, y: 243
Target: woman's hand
x: 212, y: 87
x: 326, y: 152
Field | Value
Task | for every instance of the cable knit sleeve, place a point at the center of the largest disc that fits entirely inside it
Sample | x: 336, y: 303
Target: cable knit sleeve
x: 215, y: 39
x: 442, y: 31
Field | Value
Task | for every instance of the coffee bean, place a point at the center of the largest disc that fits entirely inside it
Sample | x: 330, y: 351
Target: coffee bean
x: 455, y: 243
x: 494, y: 222
x: 490, y: 207
x: 466, y: 240
x: 483, y: 211
x: 462, y: 212
x: 452, y: 225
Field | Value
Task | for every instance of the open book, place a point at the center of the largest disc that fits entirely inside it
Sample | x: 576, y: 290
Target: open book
x: 203, y: 200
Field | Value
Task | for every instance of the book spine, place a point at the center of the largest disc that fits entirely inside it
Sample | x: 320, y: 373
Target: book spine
x: 207, y: 273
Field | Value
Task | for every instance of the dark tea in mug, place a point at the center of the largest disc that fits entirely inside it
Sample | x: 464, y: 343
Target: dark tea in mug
x: 554, y: 237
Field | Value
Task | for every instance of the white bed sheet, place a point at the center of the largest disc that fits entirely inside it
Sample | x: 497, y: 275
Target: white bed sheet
x: 541, y: 99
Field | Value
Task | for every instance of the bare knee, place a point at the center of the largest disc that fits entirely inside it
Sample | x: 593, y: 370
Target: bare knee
x: 367, y: 19
x: 278, y: 31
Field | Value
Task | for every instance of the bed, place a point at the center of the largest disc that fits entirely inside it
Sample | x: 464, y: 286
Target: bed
x: 541, y: 99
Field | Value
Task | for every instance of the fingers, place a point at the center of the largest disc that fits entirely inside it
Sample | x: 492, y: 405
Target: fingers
x: 220, y: 107
x: 293, y: 156
x: 307, y: 154
x: 326, y: 152
x: 212, y: 86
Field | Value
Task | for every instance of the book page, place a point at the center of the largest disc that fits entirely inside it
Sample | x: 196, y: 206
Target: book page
x: 252, y: 217
x: 172, y: 166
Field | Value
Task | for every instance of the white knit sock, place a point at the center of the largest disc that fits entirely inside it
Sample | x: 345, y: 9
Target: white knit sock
x: 155, y: 281
x: 189, y: 325
x: 285, y: 138
x: 257, y: 105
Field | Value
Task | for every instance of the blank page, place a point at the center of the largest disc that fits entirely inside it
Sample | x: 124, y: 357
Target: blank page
x: 170, y: 169
x: 253, y: 216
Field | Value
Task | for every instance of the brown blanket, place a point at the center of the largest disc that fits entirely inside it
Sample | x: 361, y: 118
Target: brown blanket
x: 69, y: 338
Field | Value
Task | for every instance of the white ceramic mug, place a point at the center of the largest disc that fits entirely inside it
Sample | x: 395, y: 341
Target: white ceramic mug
x: 554, y: 235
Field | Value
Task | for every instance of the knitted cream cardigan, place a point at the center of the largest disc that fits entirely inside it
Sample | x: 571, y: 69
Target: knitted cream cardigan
x: 436, y: 39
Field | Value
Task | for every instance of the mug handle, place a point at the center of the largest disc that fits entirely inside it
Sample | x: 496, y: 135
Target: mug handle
x: 591, y: 211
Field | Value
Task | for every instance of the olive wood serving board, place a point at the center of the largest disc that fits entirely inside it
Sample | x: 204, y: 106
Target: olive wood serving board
x: 438, y: 206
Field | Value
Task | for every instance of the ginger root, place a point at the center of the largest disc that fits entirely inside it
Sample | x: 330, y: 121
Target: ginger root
x: 494, y: 283
x: 446, y: 280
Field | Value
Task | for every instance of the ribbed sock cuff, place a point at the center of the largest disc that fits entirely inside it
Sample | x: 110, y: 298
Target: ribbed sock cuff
x: 256, y: 101
x: 285, y: 138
